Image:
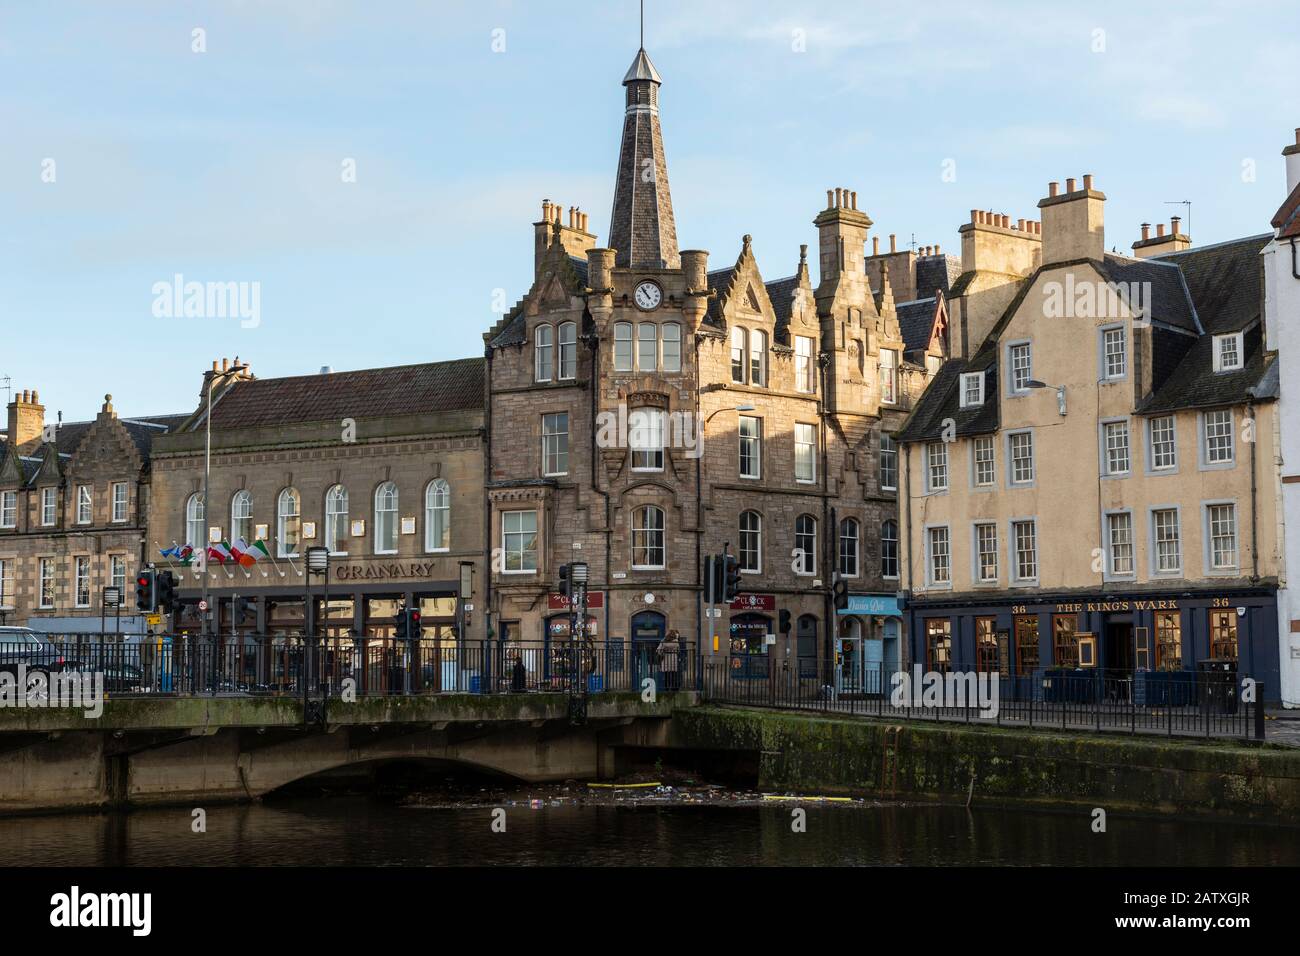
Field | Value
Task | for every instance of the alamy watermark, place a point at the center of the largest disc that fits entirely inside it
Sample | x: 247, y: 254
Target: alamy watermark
x: 933, y: 689
x: 70, y: 690
x: 176, y: 298
x: 1095, y: 299
x: 647, y: 432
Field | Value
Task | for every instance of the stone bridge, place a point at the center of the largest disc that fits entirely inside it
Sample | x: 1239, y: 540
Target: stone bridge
x: 143, y: 751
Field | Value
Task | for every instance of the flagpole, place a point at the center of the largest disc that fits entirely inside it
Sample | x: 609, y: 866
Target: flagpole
x: 207, y: 476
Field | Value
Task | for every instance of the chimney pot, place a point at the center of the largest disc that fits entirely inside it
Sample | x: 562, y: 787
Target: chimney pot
x: 875, y: 245
x: 1160, y: 229
x: 1146, y: 230
x: 853, y: 199
x: 1006, y: 221
x: 1174, y: 224
x: 1069, y: 185
x: 936, y: 250
x: 893, y: 242
x: 1052, y: 188
x: 839, y: 197
x: 1087, y: 180
x: 830, y: 199
x: 1297, y: 136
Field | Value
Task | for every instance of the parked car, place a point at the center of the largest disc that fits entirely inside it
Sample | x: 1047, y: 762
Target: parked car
x: 22, y: 645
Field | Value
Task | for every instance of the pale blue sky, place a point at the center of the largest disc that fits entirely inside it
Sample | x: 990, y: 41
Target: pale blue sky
x: 226, y: 165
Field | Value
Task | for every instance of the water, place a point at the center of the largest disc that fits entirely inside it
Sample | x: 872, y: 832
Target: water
x: 368, y: 831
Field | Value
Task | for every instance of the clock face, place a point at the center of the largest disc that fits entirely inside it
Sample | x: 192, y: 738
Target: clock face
x: 648, y: 295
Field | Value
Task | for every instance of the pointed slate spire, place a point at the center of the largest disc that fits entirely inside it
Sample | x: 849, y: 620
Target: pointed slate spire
x: 642, y: 231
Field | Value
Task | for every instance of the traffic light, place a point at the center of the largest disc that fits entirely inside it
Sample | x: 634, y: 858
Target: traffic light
x: 401, y: 628
x: 165, y: 590
x: 841, y: 592
x: 784, y: 621
x: 716, y: 579
x: 731, y: 586
x: 566, y: 585
x: 146, y: 594
x: 413, y: 628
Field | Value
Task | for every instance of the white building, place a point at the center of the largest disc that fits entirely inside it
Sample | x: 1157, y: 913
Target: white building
x: 1282, y: 322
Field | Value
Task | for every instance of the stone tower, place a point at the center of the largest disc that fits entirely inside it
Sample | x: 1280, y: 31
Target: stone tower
x: 641, y: 231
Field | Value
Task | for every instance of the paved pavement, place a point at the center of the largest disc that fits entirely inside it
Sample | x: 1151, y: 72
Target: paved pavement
x: 1282, y: 727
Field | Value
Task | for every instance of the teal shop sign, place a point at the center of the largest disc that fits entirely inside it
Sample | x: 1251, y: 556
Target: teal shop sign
x: 876, y: 605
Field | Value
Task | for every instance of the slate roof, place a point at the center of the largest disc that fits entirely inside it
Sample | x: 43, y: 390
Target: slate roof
x: 942, y: 401
x: 142, y: 429
x: 515, y: 330
x: 936, y: 272
x: 781, y: 292
x: 1195, y: 384
x: 1169, y: 301
x: 368, y: 393
x: 718, y: 280
x: 1225, y: 281
x: 916, y: 321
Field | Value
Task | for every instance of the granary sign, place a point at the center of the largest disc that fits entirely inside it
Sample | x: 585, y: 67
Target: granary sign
x: 385, y: 572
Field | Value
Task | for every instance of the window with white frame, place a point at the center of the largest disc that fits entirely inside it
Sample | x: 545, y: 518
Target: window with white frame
x: 544, y: 350
x: 751, y: 447
x: 936, y: 466
x: 1021, y: 363
x: 939, y: 547
x: 622, y: 346
x: 241, y: 516
x: 85, y: 504
x: 738, y: 351
x: 645, y: 438
x: 1021, y: 445
x: 49, y: 507
x: 1218, y: 430
x: 758, y: 357
x: 1164, y: 443
x: 386, y: 501
x: 672, y: 347
x: 568, y: 344
x: 850, y: 535
x: 81, y: 580
x: 336, y: 519
x: 1114, y: 353
x: 751, y: 542
x: 437, y: 515
x: 519, y: 541
x: 45, y: 582
x: 196, y: 535
x: 985, y: 461
x: 120, y: 498
x: 1228, y: 353
x: 889, y: 549
x: 888, y: 463
x: 1119, y: 540
x: 803, y: 364
x: 972, y: 389
x: 805, y: 452
x: 805, y: 544
x: 555, y: 443
x: 8, y: 509
x: 1165, y: 531
x: 288, y: 527
x: 889, y: 376
x: 1024, y: 535
x: 986, y: 552
x: 647, y: 346
x: 117, y: 572
x: 647, y: 538
x: 6, y: 583
x: 1222, y: 521
x: 1118, y: 455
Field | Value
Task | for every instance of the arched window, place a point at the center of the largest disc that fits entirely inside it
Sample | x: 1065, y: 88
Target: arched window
x: 647, y: 538
x: 805, y: 544
x: 757, y: 358
x: 544, y: 350
x: 386, y: 518
x: 568, y: 350
x: 437, y: 515
x: 849, y: 548
x: 622, y: 346
x: 241, y: 517
x: 288, y: 524
x: 751, y: 541
x: 672, y: 347
x: 196, y: 536
x: 737, y: 354
x: 889, y: 549
x: 336, y: 519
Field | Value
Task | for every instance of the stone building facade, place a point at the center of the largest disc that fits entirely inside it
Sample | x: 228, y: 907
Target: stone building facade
x: 382, y: 466
x: 645, y: 413
x: 73, y: 510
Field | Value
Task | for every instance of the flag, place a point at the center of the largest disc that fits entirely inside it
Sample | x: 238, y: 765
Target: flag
x: 258, y: 550
x: 217, y: 552
x: 169, y: 552
x: 240, y: 552
x: 185, y: 555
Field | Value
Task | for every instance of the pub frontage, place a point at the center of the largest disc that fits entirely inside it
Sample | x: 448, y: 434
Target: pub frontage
x: 1116, y: 634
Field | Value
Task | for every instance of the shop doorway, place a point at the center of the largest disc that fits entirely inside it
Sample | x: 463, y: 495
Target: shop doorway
x: 1119, y: 646
x: 648, y: 630
x: 849, y: 673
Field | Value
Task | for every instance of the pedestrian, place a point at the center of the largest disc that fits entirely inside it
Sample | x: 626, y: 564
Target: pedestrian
x: 518, y: 676
x: 669, y: 652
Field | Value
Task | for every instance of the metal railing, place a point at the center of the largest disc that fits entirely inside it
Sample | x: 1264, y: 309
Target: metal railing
x: 187, y: 665
x: 1173, y: 703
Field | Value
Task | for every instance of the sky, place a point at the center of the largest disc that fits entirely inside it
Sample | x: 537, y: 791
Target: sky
x: 372, y: 170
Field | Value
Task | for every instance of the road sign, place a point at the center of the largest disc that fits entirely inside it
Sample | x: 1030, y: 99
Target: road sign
x: 153, y: 620
x: 203, y: 605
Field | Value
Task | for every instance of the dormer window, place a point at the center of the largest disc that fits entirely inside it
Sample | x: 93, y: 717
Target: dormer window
x: 972, y: 389
x: 1228, y: 352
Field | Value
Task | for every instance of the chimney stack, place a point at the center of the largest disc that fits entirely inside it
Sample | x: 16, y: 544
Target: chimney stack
x: 1073, y: 223
x: 842, y: 237
x: 1162, y: 243
x: 26, y: 421
x: 1292, y: 154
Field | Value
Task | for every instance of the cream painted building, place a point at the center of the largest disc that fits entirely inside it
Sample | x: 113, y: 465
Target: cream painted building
x: 1090, y: 480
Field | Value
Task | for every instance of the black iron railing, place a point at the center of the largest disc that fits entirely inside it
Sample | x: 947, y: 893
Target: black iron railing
x: 1204, y: 703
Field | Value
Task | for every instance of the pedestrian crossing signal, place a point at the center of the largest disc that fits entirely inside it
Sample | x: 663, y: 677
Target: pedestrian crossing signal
x: 146, y: 595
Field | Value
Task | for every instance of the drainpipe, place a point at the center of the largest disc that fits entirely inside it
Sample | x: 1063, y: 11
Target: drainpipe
x: 699, y: 518
x: 1254, y: 496
x: 1295, y: 269
x: 593, y: 343
x: 905, y: 489
x: 487, y: 502
x: 828, y: 612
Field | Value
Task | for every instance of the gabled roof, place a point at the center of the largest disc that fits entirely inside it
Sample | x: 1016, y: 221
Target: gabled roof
x: 942, y: 401
x: 368, y: 393
x: 1195, y: 384
x: 781, y: 293
x: 719, y: 281
x: 1287, y: 219
x: 1225, y: 281
x: 513, y: 327
x: 1169, y: 303
x: 916, y: 322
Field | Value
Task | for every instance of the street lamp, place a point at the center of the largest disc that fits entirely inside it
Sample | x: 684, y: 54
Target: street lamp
x: 1060, y: 392
x: 730, y: 408
x: 318, y: 562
